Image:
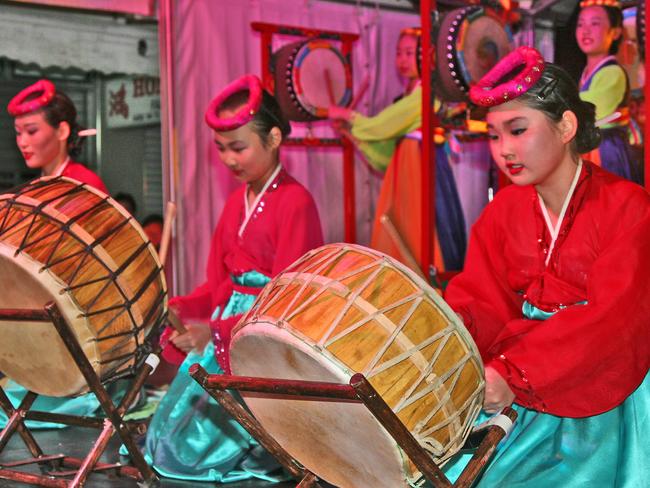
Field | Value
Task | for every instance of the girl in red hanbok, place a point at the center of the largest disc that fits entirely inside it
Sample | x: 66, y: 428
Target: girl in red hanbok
x: 48, y: 134
x: 265, y: 225
x: 555, y: 291
x: 48, y: 137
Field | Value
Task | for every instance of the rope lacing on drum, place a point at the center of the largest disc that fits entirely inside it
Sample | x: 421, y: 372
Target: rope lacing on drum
x: 87, y: 250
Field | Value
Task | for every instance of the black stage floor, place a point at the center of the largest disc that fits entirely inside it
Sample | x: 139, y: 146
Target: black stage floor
x: 77, y: 441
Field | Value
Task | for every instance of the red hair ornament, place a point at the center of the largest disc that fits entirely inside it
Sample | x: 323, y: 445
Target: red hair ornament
x: 19, y: 105
x: 247, y: 82
x: 487, y: 93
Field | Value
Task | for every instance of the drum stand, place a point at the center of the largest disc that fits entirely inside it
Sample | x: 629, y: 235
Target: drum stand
x: 359, y: 390
x: 52, y: 465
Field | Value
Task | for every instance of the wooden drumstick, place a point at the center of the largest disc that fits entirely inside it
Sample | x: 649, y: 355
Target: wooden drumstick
x: 361, y: 91
x: 403, y: 249
x: 330, y: 87
x: 170, y: 215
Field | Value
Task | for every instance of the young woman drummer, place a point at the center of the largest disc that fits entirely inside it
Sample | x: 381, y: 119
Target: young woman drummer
x: 554, y: 290
x: 605, y: 84
x: 47, y: 133
x: 265, y: 225
x: 390, y: 142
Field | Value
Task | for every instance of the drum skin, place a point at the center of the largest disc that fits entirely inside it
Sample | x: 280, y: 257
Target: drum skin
x: 343, y: 309
x: 69, y: 243
x: 470, y: 42
x: 301, y: 70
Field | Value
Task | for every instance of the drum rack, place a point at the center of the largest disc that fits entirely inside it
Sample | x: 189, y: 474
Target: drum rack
x: 483, y: 441
x: 267, y: 31
x: 80, y: 469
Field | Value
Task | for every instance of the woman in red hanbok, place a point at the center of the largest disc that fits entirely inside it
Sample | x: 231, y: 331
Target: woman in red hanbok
x: 554, y: 291
x: 48, y: 134
x: 265, y: 225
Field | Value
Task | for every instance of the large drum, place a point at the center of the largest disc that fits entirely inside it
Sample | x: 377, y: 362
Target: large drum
x: 69, y: 243
x: 311, y: 76
x: 343, y: 309
x: 470, y: 41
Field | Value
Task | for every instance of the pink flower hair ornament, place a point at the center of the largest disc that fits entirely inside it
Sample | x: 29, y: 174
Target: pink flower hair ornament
x: 487, y: 93
x: 247, y: 82
x: 19, y: 105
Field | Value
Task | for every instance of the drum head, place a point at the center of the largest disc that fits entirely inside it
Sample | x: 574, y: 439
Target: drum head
x: 310, y: 76
x: 470, y: 42
x: 341, y: 442
x: 32, y: 353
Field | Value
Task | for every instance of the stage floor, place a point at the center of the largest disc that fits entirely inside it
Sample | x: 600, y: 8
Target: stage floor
x: 77, y: 441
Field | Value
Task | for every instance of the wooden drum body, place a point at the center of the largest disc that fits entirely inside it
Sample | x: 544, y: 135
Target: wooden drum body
x: 310, y: 76
x: 470, y: 42
x: 343, y: 309
x: 69, y: 243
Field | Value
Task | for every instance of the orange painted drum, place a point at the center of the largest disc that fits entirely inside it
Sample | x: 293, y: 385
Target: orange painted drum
x: 344, y: 309
x: 69, y: 243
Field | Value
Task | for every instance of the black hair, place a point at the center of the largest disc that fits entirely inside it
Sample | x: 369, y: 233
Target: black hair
x: 615, y: 16
x: 268, y: 116
x: 127, y: 198
x: 556, y: 92
x: 62, y: 109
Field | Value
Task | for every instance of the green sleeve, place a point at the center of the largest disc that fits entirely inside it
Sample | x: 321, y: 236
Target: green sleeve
x: 377, y: 136
x: 607, y: 90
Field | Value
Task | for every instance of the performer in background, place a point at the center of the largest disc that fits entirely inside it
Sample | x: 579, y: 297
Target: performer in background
x: 554, y: 290
x: 605, y: 84
x: 390, y: 142
x: 265, y: 225
x: 47, y: 133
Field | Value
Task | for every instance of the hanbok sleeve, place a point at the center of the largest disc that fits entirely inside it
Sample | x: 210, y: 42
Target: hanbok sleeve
x: 587, y: 359
x: 606, y: 91
x: 298, y: 230
x: 480, y: 293
x: 377, y: 136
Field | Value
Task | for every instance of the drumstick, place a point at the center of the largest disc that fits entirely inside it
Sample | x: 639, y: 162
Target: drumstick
x: 330, y: 88
x: 170, y: 215
x: 87, y: 132
x: 609, y: 118
x: 361, y: 91
x: 403, y: 249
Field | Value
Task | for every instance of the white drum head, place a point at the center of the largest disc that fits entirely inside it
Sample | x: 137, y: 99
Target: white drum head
x: 339, y: 441
x: 314, y: 66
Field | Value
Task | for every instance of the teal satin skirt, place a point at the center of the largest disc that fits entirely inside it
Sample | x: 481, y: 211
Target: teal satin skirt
x: 610, y: 450
x: 85, y: 405
x: 191, y: 437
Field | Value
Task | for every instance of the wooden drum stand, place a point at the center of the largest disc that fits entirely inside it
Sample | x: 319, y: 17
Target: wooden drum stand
x: 58, y: 469
x: 359, y: 390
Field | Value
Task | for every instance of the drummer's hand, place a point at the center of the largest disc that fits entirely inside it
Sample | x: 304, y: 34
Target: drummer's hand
x: 497, y: 392
x: 339, y: 113
x: 197, y: 337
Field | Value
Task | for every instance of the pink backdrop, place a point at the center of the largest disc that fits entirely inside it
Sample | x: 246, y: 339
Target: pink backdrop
x: 212, y: 43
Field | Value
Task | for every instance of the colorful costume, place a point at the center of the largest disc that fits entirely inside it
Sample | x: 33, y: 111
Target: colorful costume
x: 570, y: 337
x: 608, y: 88
x: 393, y: 137
x: 190, y: 436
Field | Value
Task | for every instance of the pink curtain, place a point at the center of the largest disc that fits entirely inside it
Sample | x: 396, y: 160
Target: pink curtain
x: 213, y: 43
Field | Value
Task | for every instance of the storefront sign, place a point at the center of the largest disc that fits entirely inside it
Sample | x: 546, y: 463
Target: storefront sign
x: 132, y: 101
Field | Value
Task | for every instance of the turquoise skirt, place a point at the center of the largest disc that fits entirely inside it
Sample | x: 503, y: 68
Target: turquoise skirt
x: 609, y: 450
x: 191, y: 437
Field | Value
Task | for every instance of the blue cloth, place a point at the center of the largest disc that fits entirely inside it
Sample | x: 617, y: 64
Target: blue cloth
x: 191, y: 437
x: 450, y: 221
x: 609, y: 450
x: 617, y: 157
x: 85, y: 405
